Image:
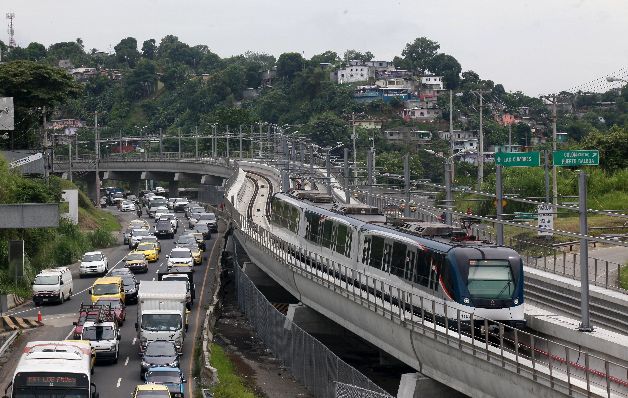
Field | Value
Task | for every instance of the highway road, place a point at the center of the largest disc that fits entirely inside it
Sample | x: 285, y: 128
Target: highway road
x: 119, y: 380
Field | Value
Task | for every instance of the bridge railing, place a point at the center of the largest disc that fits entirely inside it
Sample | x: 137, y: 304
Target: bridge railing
x: 558, y: 366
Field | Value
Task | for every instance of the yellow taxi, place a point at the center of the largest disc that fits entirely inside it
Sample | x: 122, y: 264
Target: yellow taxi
x: 109, y: 287
x: 197, y: 254
x: 149, y: 249
x: 136, y: 262
x: 200, y: 240
x: 152, y: 239
x: 151, y: 391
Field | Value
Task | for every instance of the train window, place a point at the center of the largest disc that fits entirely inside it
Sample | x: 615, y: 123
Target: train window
x: 341, y: 238
x: 448, y: 279
x: 410, y: 265
x: 436, y: 261
x: 311, y: 230
x: 398, y: 260
x: 490, y: 279
x: 386, y: 261
x: 366, y: 250
x: 377, y: 251
x: 349, y: 242
x: 326, y: 234
x: 423, y: 268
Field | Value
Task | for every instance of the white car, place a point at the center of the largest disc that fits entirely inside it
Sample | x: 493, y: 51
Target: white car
x: 127, y: 206
x: 136, y: 237
x: 53, y: 285
x: 171, y: 202
x: 93, y: 263
x: 160, y: 211
x: 172, y: 218
x: 180, y: 256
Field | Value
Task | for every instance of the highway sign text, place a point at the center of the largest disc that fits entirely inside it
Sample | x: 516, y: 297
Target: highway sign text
x: 576, y: 158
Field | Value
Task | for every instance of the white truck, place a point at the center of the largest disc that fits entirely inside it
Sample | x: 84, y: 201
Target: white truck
x: 103, y: 335
x: 162, y: 313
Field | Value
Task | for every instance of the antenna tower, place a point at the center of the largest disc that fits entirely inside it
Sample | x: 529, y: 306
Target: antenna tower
x: 11, y: 17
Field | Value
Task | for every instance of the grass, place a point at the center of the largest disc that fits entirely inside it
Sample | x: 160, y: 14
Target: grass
x: 623, y: 277
x: 230, y: 385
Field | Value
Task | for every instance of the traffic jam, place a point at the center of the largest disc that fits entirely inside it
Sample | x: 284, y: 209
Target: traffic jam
x: 136, y: 311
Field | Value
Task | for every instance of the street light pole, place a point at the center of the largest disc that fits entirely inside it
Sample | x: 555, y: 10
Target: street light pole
x: 406, y: 180
x: 96, y: 139
x: 480, y: 143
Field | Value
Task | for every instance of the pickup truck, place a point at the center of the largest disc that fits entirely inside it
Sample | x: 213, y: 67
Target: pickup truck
x: 104, y: 336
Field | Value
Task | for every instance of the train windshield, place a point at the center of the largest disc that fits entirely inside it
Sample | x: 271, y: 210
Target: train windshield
x: 490, y: 279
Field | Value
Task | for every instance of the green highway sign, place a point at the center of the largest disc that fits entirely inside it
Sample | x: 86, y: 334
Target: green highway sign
x: 576, y: 158
x: 518, y: 159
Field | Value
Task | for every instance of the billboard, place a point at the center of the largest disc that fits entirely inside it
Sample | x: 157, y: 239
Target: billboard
x: 7, y: 113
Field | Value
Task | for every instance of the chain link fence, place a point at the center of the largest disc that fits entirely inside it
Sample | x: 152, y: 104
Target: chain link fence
x: 309, y: 361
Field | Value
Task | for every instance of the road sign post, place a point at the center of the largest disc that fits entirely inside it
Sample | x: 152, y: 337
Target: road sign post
x: 585, y: 325
x: 576, y: 158
x: 518, y: 159
x: 546, y: 219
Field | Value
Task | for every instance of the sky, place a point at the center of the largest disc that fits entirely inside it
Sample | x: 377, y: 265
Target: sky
x: 534, y: 46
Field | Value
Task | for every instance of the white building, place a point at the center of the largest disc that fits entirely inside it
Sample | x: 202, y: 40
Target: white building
x: 394, y: 83
x: 459, y: 135
x: 355, y: 73
x: 433, y: 82
x: 421, y: 114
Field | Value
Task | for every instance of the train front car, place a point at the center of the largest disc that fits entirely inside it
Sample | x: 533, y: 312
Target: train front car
x: 488, y: 280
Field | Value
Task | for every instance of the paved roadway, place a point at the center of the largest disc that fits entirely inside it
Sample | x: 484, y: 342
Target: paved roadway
x: 119, y: 380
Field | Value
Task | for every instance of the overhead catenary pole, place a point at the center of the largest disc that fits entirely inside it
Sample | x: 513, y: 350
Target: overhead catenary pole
x: 179, y: 142
x: 161, y: 143
x: 406, y: 180
x: 97, y: 151
x: 448, y: 193
x: 261, y: 141
x: 547, y: 178
x: 554, y: 135
x: 499, y: 228
x: 346, y: 175
x: 196, y: 143
x: 369, y: 176
x: 509, y: 137
x: 585, y: 325
x: 355, y: 152
x: 328, y: 167
x: 227, y: 134
x: 241, y: 156
x: 70, y: 159
x: 481, y: 142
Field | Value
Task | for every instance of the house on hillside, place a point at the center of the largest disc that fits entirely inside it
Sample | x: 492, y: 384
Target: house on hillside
x: 369, y: 123
x: 432, y: 82
x: 413, y: 138
x: 355, y: 74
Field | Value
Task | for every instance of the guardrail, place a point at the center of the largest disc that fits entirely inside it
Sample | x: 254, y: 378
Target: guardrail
x: 533, y: 357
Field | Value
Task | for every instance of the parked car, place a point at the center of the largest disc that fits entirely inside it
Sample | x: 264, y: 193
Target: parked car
x: 159, y: 353
x: 93, y: 263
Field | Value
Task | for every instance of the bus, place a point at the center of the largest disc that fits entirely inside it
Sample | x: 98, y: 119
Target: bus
x: 60, y: 369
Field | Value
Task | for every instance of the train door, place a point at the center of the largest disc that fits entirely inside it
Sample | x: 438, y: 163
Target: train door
x: 410, y: 264
x: 388, y: 255
x: 366, y: 251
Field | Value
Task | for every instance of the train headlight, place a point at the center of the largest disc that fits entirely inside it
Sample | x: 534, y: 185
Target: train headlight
x: 516, y: 301
x: 466, y: 300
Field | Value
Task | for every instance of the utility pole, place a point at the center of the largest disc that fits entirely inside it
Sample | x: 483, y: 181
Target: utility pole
x: 261, y: 142
x: 70, y: 159
x: 179, y: 142
x: 346, y: 173
x: 328, y: 167
x: 120, y: 143
x: 97, y: 144
x: 227, y: 143
x: 196, y: 143
x: 355, y: 153
x: 46, y: 145
x: 369, y: 178
x: 161, y: 144
x: 547, y: 188
x: 241, y: 142
x: 481, y: 143
x: 585, y: 325
x: 554, y: 137
x: 451, y: 135
x: 406, y: 180
x: 448, y: 194
x: 509, y: 137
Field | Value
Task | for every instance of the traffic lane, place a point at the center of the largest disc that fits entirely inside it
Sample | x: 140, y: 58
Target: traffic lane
x: 121, y: 379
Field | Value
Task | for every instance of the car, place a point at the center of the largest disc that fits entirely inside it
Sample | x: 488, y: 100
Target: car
x: 159, y: 353
x: 158, y: 211
x: 205, y: 218
x: 129, y: 283
x: 180, y: 205
x: 127, y: 206
x: 204, y: 230
x: 117, y: 307
x: 53, y: 284
x: 192, y: 210
x: 197, y: 254
x: 160, y: 190
x: 152, y: 239
x: 149, y: 249
x: 173, y: 220
x: 107, y: 287
x: 151, y: 391
x: 132, y: 198
x: 171, y: 202
x: 163, y: 228
x: 93, y: 263
x: 170, y: 377
x: 136, y: 262
x: 186, y: 239
x: 139, y: 224
x: 136, y: 237
x: 200, y: 239
x: 180, y: 256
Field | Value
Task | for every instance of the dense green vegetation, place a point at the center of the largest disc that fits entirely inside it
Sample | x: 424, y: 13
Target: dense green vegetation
x: 48, y: 247
x: 230, y: 385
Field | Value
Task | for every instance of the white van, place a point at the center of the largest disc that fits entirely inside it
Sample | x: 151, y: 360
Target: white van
x: 54, y: 284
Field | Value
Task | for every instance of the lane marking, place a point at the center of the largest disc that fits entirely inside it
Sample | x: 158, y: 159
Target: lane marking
x: 69, y: 334
x: 119, y: 381
x: 153, y: 278
x: 126, y: 361
x: 134, y: 340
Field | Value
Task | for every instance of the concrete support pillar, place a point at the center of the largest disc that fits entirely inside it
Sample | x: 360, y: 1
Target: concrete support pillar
x: 313, y: 322
x: 417, y: 385
x: 173, y: 188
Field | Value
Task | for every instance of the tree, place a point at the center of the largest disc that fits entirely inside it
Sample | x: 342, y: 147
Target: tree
x: 36, y: 51
x: 448, y: 67
x: 419, y: 53
x: 612, y: 147
x: 141, y: 81
x: 126, y: 51
x: 289, y: 64
x: 67, y: 50
x: 327, y: 129
x: 33, y: 86
x: 330, y: 57
x: 350, y: 55
x: 174, y: 75
x: 149, y: 49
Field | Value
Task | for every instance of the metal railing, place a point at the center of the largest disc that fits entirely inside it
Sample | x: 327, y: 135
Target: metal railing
x: 344, y: 390
x: 566, y: 369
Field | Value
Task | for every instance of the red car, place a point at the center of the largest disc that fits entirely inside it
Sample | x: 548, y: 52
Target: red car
x: 117, y: 307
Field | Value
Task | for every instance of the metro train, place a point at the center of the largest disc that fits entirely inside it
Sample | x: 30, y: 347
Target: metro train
x: 473, y: 276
